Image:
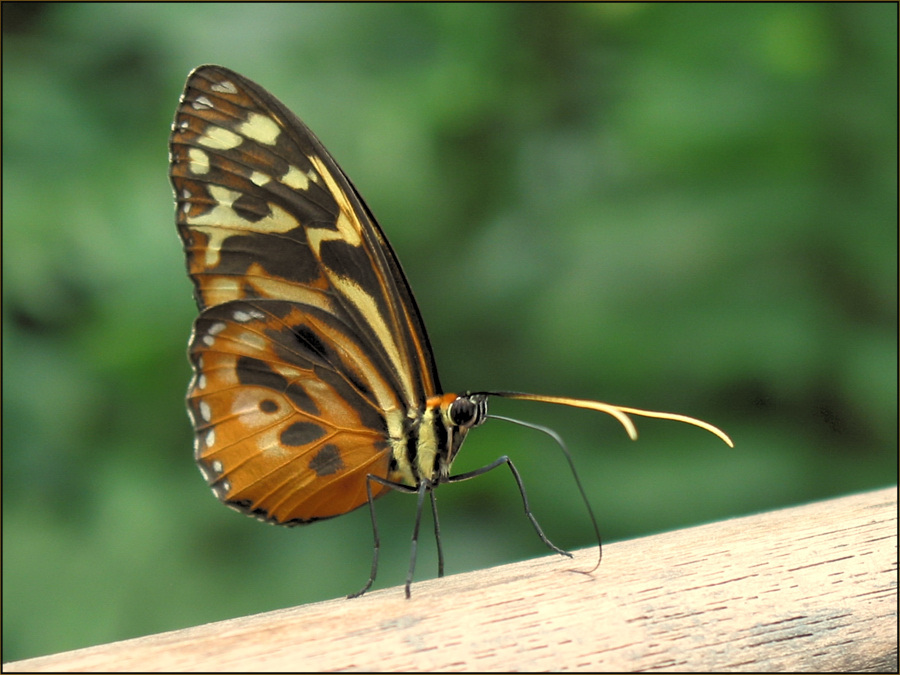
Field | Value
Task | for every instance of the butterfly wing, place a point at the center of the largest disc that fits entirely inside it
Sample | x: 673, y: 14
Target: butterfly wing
x: 309, y: 350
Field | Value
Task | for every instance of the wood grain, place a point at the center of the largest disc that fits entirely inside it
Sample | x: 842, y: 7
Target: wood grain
x: 810, y: 588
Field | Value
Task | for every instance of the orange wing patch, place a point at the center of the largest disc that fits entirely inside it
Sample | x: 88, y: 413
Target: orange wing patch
x: 278, y: 421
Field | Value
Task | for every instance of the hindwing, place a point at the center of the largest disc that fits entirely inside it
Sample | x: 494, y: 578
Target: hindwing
x: 287, y: 424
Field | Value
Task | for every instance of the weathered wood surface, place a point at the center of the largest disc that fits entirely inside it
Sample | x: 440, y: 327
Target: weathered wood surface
x: 810, y: 588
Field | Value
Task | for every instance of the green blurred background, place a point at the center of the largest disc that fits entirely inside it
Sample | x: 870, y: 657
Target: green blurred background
x: 680, y: 207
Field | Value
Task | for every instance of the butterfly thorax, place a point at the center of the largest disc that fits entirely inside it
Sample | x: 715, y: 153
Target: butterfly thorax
x: 433, y: 437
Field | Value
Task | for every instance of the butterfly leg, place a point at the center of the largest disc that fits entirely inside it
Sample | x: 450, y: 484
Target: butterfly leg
x: 424, y: 486
x: 437, y: 534
x: 377, y: 540
x: 518, y: 478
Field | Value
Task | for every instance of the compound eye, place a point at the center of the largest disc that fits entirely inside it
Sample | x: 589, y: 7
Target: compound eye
x: 468, y: 411
x: 462, y: 412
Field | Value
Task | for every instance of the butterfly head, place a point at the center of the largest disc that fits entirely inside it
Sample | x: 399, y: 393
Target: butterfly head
x: 434, y: 439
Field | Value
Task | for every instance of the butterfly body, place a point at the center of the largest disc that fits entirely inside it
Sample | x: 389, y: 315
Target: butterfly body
x: 314, y: 389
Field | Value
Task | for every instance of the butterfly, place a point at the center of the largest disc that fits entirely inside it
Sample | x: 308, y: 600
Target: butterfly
x: 315, y: 389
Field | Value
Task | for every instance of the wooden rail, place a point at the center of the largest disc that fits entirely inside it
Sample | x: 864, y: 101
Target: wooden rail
x: 809, y: 588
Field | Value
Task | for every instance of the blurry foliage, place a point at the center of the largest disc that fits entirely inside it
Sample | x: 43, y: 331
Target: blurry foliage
x: 681, y: 207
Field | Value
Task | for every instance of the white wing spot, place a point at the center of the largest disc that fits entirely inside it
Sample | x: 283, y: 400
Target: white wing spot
x: 224, y: 87
x: 241, y: 316
x: 260, y: 128
x: 201, y: 382
x: 216, y: 328
x: 216, y: 465
x: 252, y: 340
x: 186, y: 197
x: 205, y: 411
x: 199, y: 163
x: 296, y: 179
x: 218, y: 138
x: 209, y: 340
x: 201, y: 102
x: 259, y: 178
